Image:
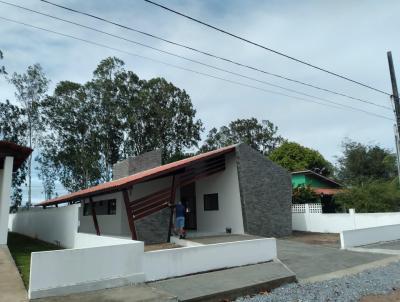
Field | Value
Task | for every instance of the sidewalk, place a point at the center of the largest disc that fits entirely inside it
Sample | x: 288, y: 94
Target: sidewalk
x: 12, y: 288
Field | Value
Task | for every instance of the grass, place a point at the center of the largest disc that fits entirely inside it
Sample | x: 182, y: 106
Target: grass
x: 21, y: 247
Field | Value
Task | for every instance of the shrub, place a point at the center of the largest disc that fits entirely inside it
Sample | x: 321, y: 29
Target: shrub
x: 372, y: 196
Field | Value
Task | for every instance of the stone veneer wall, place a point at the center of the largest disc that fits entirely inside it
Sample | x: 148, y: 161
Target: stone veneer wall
x: 133, y: 165
x: 266, y: 194
x: 154, y: 228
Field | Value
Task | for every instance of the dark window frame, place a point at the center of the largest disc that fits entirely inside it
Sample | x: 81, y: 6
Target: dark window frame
x: 111, y: 205
x: 211, y: 202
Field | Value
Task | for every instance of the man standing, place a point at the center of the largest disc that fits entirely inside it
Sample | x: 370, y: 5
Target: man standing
x: 180, y: 219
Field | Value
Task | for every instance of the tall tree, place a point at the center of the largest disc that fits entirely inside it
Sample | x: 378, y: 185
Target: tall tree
x: 360, y: 163
x: 2, y: 67
x: 90, y: 127
x: 261, y: 135
x: 13, y: 128
x: 295, y: 157
x: 31, y: 88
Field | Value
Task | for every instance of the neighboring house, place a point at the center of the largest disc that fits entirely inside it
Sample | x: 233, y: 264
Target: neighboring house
x: 233, y: 189
x: 12, y: 156
x: 323, y: 186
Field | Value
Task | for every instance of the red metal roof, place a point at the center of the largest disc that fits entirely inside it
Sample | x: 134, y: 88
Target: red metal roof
x: 20, y: 153
x: 128, y: 181
x: 327, y: 191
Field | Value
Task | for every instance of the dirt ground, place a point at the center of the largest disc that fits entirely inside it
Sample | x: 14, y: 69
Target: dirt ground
x: 392, y: 297
x: 315, y: 238
x: 160, y: 246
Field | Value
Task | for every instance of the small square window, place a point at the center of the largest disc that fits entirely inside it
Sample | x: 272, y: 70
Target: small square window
x: 211, y: 202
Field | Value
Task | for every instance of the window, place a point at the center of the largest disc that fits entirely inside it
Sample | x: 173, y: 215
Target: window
x: 211, y: 202
x: 102, y: 207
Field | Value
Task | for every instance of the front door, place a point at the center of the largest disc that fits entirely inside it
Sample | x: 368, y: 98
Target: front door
x: 188, y: 198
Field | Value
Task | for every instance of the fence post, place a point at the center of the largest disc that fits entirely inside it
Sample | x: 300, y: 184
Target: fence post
x: 307, y: 216
x: 353, y: 216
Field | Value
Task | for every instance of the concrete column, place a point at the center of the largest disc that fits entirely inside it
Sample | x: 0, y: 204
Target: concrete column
x: 5, y: 192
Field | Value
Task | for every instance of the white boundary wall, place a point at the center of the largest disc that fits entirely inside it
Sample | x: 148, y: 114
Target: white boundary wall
x: 353, y: 238
x: 188, y: 260
x: 97, y: 262
x: 54, y: 225
x: 312, y: 221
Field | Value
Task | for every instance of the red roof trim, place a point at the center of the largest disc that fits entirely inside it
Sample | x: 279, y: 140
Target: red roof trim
x: 20, y: 153
x: 128, y: 181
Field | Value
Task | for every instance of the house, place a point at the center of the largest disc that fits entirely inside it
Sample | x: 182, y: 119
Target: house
x: 233, y: 189
x: 323, y: 186
x: 12, y: 156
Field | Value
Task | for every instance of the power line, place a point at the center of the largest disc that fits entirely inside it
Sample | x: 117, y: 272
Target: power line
x: 205, y: 52
x: 183, y: 57
x: 267, y: 48
x: 329, y: 104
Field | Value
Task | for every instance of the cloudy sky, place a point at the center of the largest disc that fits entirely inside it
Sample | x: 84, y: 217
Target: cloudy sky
x: 347, y: 37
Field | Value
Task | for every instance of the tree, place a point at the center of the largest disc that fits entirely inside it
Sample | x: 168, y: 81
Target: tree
x: 2, y: 67
x: 360, y: 163
x: 371, y: 196
x: 13, y: 128
x: 31, y: 88
x: 295, y: 157
x: 260, y: 135
x: 115, y: 115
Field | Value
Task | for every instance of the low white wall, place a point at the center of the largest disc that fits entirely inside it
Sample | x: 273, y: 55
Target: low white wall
x: 54, y: 225
x: 188, y: 260
x: 98, y: 262
x: 335, y: 223
x: 353, y: 238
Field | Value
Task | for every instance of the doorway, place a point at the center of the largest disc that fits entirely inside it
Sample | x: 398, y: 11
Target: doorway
x: 188, y: 198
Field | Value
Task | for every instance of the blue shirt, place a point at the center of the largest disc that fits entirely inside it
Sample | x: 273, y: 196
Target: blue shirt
x: 180, y: 210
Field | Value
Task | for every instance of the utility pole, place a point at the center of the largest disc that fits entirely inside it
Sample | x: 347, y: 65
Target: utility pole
x: 396, y: 103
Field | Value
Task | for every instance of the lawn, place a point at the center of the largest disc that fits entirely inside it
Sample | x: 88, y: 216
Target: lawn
x: 21, y: 248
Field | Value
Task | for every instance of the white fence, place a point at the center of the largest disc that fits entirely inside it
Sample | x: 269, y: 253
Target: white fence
x: 96, y: 262
x: 188, y: 260
x: 309, y: 218
x: 54, y: 225
x: 353, y: 238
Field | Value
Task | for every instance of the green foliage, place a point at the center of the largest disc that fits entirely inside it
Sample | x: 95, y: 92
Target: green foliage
x: 31, y: 88
x: 304, y: 194
x: 13, y: 128
x: 360, y: 163
x: 295, y: 157
x: 2, y: 68
x: 260, y: 135
x: 115, y: 115
x: 371, y: 196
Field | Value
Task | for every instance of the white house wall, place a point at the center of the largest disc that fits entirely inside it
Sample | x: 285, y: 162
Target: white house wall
x: 108, y: 224
x: 229, y: 215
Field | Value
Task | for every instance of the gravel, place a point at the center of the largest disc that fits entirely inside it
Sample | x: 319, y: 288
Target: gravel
x: 380, y: 280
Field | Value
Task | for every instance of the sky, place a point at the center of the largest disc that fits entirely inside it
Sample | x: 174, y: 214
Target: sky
x: 347, y: 37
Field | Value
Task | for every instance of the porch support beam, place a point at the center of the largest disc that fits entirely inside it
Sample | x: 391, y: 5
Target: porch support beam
x: 96, y: 224
x: 129, y: 213
x: 172, y: 203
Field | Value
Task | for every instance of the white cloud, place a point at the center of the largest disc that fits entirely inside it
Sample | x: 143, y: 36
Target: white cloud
x: 349, y: 37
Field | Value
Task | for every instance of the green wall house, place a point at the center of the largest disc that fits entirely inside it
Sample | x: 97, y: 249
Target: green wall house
x: 324, y: 187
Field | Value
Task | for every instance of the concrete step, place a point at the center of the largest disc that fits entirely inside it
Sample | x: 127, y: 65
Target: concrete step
x: 228, y: 283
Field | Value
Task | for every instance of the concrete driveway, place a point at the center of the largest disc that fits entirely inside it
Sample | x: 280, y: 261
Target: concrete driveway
x: 310, y: 260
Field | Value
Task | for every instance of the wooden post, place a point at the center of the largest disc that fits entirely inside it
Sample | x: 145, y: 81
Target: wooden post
x: 130, y: 215
x: 96, y: 224
x: 172, y: 202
